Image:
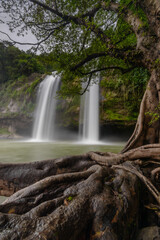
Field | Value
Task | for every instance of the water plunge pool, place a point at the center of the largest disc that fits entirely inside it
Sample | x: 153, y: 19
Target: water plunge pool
x: 12, y: 151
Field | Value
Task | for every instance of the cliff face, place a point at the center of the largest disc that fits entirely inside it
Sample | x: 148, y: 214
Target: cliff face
x: 17, y: 105
x: 15, y: 127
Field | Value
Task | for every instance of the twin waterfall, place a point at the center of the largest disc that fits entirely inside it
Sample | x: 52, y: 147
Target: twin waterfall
x: 44, y: 123
x: 89, y: 114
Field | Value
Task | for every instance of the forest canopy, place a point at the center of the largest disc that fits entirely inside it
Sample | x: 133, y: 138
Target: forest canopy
x: 15, y: 63
x: 85, y: 36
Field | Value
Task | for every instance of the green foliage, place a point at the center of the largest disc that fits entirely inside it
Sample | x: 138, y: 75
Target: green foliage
x: 21, y: 92
x: 70, y: 86
x: 133, y: 85
x: 68, y: 111
x: 29, y: 65
x: 154, y: 115
x: 123, y: 94
x: 71, y: 40
x: 4, y: 131
x: 70, y: 198
x: 33, y: 85
x: 74, y: 37
x: 15, y: 63
x: 136, y: 9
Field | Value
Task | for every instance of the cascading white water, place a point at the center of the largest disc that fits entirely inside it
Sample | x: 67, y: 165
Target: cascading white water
x: 44, y: 123
x: 89, y: 113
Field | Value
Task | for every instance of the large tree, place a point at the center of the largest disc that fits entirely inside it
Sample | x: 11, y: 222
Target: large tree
x: 90, y: 196
x: 88, y: 36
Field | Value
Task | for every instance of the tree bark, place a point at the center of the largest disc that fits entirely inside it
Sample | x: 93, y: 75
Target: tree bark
x: 147, y: 130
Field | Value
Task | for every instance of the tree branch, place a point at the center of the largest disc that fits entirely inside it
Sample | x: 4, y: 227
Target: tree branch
x: 88, y: 58
x: 117, y: 53
x: 78, y: 21
x: 81, y: 21
x: 127, y: 14
x: 16, y: 42
x: 90, y: 77
x: 37, y: 43
x: 123, y: 70
x: 55, y: 11
x: 92, y: 12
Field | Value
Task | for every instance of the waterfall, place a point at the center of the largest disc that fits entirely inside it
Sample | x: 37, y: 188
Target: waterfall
x: 44, y: 122
x: 89, y: 113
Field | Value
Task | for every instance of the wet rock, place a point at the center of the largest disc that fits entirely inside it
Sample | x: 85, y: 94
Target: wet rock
x: 13, y: 107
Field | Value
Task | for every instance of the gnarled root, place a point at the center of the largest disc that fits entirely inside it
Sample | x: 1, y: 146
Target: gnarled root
x: 90, y: 204
x: 86, y: 197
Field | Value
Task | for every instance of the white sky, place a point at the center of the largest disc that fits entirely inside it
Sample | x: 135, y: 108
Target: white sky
x: 30, y: 38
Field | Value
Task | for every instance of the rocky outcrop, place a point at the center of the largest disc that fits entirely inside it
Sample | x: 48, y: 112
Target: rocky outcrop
x: 17, y: 106
x: 16, y: 126
x: 12, y: 107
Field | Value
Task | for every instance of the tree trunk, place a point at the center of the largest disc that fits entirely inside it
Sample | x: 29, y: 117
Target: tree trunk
x: 148, y: 123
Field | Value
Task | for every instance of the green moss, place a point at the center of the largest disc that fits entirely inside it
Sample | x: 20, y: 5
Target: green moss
x: 4, y: 131
x: 70, y: 198
x: 113, y: 116
x: 122, y: 95
x: 22, y: 92
x: 33, y: 85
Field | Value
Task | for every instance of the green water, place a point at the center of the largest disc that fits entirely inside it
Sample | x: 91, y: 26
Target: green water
x: 25, y: 151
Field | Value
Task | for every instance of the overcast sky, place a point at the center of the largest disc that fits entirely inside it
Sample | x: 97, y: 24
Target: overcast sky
x: 27, y: 38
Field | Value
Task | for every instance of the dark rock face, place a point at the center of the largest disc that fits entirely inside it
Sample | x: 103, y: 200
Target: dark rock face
x: 19, y: 125
x: 116, y: 131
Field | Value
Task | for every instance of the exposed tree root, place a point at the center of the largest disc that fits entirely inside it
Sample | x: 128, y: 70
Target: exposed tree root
x: 155, y: 174
x: 151, y: 151
x: 95, y: 196
x: 14, y: 177
x: 145, y: 180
